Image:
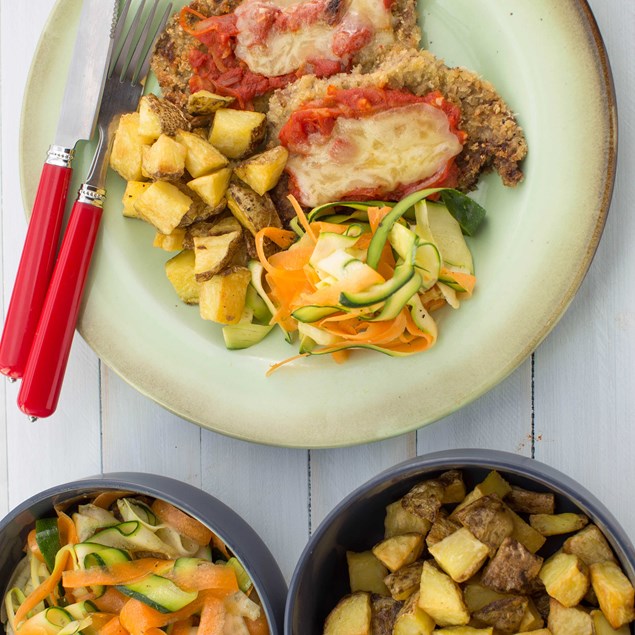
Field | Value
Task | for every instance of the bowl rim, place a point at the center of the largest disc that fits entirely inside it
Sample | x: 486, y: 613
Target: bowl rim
x: 256, y: 557
x: 505, y: 462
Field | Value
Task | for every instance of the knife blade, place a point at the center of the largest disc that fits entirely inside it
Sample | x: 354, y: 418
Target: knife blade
x: 78, y: 115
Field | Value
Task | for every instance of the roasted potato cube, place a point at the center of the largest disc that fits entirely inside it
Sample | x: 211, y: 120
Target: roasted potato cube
x: 524, y: 501
x: 505, y: 614
x: 366, y: 573
x: 532, y: 619
x: 568, y: 621
x: 237, y: 133
x: 203, y: 102
x: 127, y: 148
x: 170, y: 242
x: 566, y: 578
x: 424, y: 499
x: 400, y: 521
x: 460, y: 555
x: 253, y: 211
x: 556, y: 524
x: 384, y: 613
x: 399, y: 551
x: 180, y: 272
x: 159, y: 116
x: 412, y: 619
x: 222, y: 297
x: 262, y: 171
x: 212, y: 187
x: 540, y: 631
x: 526, y: 535
x: 464, y: 630
x: 589, y: 545
x: 477, y: 596
x: 164, y: 160
x: 602, y: 626
x: 453, y: 486
x: 405, y: 581
x: 614, y: 592
x: 213, y: 253
x: 441, y: 598
x: 441, y: 528
x: 351, y: 616
x: 134, y: 189
x: 202, y: 157
x: 163, y: 205
x: 494, y: 483
x: 488, y: 519
x: 512, y: 568
x: 215, y: 227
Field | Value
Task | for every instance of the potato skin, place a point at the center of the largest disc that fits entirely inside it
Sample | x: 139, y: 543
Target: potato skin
x: 254, y: 212
x: 526, y: 502
x: 384, y: 614
x: 405, y: 581
x: 441, y: 528
x: 505, y: 614
x: 159, y: 116
x: 489, y: 520
x: 215, y: 227
x: 589, y: 545
x: 424, y: 500
x: 512, y: 568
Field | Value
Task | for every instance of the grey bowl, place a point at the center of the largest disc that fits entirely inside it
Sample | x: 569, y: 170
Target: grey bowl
x: 239, y: 537
x: 320, y: 578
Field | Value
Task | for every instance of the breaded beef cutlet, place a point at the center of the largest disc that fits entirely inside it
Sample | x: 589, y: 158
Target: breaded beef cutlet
x: 172, y: 65
x: 495, y: 141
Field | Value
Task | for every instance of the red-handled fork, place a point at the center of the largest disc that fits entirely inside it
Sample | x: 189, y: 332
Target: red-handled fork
x: 46, y: 365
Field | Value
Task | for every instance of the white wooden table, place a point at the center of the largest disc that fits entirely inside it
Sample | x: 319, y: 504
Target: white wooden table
x: 572, y: 405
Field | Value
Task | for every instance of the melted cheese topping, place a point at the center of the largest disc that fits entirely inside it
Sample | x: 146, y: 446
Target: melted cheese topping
x: 285, y: 52
x: 395, y: 147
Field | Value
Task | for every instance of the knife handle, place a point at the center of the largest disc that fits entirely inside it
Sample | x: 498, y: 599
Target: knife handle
x: 44, y: 372
x: 36, y: 262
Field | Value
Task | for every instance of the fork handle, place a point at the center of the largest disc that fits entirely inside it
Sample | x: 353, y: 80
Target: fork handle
x: 36, y: 264
x: 44, y: 373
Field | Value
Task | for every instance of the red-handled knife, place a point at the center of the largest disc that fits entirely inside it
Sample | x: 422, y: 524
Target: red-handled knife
x: 78, y: 115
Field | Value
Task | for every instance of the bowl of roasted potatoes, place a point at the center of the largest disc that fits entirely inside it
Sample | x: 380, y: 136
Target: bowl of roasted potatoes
x: 133, y: 553
x: 466, y: 542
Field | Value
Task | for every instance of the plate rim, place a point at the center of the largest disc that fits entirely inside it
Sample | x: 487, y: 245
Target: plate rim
x: 603, y: 72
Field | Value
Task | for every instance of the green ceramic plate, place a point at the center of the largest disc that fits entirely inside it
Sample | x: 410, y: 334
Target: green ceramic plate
x: 547, y: 60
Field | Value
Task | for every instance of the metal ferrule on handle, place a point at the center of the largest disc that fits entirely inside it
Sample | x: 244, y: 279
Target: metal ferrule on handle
x: 60, y: 156
x: 36, y: 262
x: 92, y: 195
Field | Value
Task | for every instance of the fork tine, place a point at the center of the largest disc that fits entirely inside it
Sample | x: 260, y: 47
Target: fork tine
x: 122, y: 58
x: 135, y: 63
x: 117, y: 36
x: 145, y: 67
x: 121, y: 21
